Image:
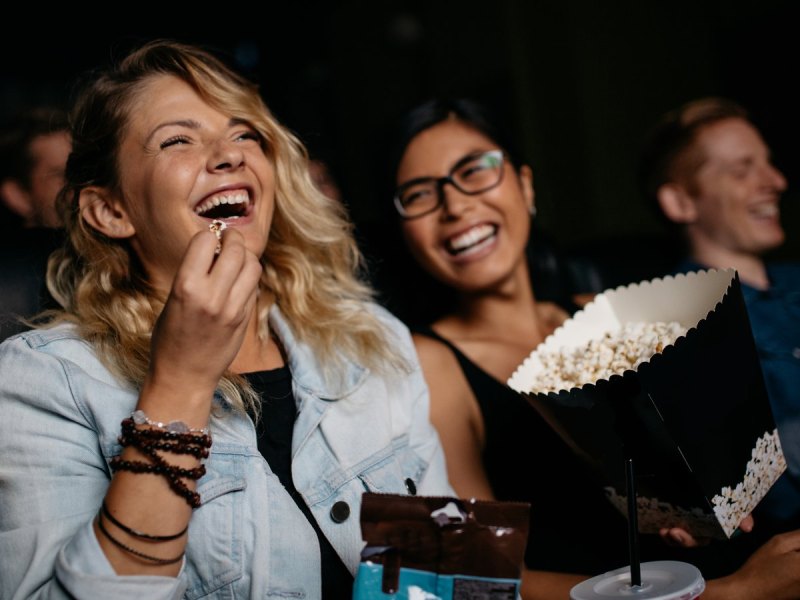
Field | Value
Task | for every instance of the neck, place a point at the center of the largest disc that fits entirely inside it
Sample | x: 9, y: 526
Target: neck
x: 257, y: 352
x: 507, y: 311
x: 751, y: 267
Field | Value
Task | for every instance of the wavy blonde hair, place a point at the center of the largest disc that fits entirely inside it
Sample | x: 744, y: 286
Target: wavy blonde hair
x: 311, y: 263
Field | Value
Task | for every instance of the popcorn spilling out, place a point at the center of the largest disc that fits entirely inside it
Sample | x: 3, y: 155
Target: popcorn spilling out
x: 731, y: 505
x: 766, y: 464
x: 616, y: 352
x: 653, y: 514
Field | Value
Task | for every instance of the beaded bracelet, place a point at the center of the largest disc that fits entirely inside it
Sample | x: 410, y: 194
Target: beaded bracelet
x: 175, y: 437
x: 139, y: 534
x: 130, y: 439
x: 199, y: 439
x: 172, y: 474
x: 140, y: 418
x: 159, y: 468
x: 129, y: 550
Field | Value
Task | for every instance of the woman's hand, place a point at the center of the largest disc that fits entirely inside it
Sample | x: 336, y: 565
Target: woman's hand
x: 675, y: 536
x: 203, y: 323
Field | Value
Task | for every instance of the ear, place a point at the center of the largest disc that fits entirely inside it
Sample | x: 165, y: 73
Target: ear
x: 676, y: 203
x: 16, y: 198
x: 526, y: 181
x: 103, y: 211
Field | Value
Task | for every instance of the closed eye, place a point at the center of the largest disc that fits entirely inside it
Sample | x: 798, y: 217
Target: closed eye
x: 174, y: 141
x: 417, y: 195
x: 249, y: 135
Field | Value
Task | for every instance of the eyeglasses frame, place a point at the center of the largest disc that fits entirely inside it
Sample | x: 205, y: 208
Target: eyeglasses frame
x: 440, y: 182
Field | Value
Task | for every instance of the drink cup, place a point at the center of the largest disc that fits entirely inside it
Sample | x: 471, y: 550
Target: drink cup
x: 661, y: 580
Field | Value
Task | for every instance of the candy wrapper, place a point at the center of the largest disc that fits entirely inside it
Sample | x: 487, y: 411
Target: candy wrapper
x: 694, y: 416
x: 425, y: 548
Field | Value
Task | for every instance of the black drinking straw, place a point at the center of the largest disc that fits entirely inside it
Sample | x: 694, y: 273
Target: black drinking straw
x: 633, y: 526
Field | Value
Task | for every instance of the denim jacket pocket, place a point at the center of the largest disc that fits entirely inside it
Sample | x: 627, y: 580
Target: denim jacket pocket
x: 214, y: 550
x: 398, y: 473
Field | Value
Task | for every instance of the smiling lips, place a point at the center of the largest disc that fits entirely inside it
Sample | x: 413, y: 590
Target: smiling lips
x: 472, y: 240
x: 225, y: 205
x: 765, y: 211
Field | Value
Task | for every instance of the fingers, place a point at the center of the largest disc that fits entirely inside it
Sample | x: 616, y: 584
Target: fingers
x: 223, y: 280
x: 747, y: 524
x: 675, y: 536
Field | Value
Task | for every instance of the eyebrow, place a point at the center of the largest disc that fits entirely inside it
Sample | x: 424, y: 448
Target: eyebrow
x: 460, y: 162
x: 190, y: 124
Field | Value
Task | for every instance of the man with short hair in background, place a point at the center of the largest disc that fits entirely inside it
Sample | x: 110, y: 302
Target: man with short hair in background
x: 33, y: 153
x: 709, y: 171
x: 34, y: 147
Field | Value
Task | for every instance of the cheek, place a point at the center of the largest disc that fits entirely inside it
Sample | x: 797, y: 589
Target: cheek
x: 418, y: 238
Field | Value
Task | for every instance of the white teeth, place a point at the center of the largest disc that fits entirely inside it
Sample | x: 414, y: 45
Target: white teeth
x: 471, y: 237
x: 223, y: 198
x: 766, y: 210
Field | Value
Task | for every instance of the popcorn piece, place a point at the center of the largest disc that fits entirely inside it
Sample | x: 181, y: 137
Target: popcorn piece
x: 217, y: 227
x: 614, y: 353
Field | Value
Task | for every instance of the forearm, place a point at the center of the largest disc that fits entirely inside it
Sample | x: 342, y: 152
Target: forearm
x: 146, y: 502
x: 547, y: 585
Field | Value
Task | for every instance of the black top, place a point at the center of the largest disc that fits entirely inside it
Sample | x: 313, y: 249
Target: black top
x: 274, y: 430
x: 573, y: 527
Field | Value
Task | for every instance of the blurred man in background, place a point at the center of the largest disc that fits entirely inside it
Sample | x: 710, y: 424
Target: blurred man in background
x: 34, y: 147
x: 33, y: 153
x: 710, y: 173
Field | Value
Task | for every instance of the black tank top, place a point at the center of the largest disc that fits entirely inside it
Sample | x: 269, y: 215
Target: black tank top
x: 573, y: 528
x: 274, y: 431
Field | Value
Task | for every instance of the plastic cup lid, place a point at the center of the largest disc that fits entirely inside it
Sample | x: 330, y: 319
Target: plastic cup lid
x: 661, y: 580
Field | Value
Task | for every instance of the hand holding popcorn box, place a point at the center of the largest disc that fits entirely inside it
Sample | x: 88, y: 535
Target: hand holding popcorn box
x: 664, y: 372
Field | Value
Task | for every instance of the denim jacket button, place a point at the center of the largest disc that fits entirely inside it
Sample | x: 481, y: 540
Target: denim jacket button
x: 411, y: 487
x: 340, y: 512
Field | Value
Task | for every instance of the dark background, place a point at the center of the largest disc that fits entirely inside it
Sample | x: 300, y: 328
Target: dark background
x: 581, y: 81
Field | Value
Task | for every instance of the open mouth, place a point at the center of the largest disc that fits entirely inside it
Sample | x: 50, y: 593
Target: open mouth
x: 224, y: 206
x: 765, y: 211
x: 471, y: 240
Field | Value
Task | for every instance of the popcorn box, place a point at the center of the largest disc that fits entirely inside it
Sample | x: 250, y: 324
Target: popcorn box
x: 694, y: 418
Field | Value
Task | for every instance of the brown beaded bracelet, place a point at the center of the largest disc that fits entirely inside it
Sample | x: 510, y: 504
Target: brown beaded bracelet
x: 172, y: 447
x: 139, y: 534
x: 158, y: 467
x: 129, y: 550
x: 172, y: 474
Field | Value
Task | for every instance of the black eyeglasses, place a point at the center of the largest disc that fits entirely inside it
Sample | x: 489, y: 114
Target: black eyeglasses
x: 471, y: 175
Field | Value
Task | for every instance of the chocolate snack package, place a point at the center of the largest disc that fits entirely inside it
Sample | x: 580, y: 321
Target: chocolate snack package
x: 440, y: 548
x: 664, y: 372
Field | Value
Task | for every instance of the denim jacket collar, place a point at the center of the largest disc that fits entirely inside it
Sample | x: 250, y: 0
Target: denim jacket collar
x: 308, y: 372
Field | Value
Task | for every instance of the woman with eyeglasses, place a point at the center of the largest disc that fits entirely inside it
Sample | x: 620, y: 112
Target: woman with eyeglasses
x: 465, y: 209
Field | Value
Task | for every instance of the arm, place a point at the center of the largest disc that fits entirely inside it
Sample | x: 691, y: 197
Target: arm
x: 455, y: 414
x: 52, y: 475
x: 197, y: 336
x: 773, y: 572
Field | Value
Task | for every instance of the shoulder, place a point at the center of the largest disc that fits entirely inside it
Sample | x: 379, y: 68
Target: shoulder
x: 63, y: 344
x: 434, y: 353
x: 61, y: 340
x: 56, y: 371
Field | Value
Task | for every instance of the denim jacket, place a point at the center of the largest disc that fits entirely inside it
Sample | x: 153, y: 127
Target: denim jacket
x: 60, y: 413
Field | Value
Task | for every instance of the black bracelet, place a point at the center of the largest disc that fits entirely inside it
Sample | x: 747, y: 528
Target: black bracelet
x: 140, y: 534
x: 129, y: 550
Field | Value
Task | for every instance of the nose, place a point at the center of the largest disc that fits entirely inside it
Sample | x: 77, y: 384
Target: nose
x: 454, y: 202
x: 776, y: 179
x: 225, y: 156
